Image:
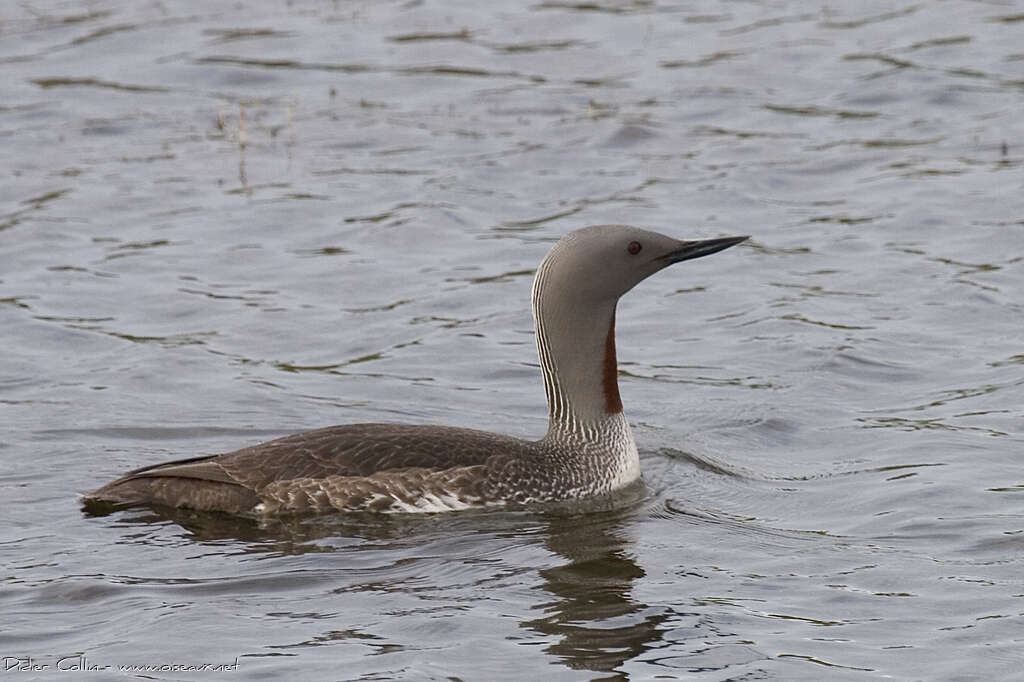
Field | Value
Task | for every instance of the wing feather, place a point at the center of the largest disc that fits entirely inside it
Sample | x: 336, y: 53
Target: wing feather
x: 335, y: 452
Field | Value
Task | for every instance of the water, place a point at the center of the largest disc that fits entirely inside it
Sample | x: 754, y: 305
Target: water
x: 223, y: 223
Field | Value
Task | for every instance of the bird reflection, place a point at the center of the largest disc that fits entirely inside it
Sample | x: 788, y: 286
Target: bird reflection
x: 587, y: 605
x: 600, y: 623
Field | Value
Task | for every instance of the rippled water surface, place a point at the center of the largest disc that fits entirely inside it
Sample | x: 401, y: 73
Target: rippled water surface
x: 223, y: 222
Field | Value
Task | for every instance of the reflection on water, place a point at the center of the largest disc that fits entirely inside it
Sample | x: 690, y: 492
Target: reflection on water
x: 588, y: 612
x: 598, y: 623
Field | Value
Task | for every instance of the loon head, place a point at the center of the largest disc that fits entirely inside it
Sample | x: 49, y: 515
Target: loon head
x: 575, y: 292
x: 602, y: 262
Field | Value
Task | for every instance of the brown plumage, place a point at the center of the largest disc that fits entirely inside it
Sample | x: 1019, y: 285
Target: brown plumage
x: 337, y: 467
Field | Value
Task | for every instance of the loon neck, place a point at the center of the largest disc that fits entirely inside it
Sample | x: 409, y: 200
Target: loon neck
x: 576, y: 347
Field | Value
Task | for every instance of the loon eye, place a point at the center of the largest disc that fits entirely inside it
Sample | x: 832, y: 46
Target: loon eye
x: 634, y: 248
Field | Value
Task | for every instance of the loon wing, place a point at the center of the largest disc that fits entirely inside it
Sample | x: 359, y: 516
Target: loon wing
x: 355, y: 455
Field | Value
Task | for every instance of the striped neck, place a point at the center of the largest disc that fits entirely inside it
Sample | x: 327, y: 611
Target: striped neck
x: 576, y: 347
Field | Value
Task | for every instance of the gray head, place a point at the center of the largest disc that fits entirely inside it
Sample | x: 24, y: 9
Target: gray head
x: 574, y: 297
x: 603, y: 262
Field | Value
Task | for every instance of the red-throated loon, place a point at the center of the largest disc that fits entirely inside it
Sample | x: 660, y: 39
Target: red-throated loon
x: 588, y: 449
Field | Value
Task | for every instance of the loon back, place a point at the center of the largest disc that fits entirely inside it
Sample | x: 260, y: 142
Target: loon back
x: 375, y: 467
x: 351, y: 467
